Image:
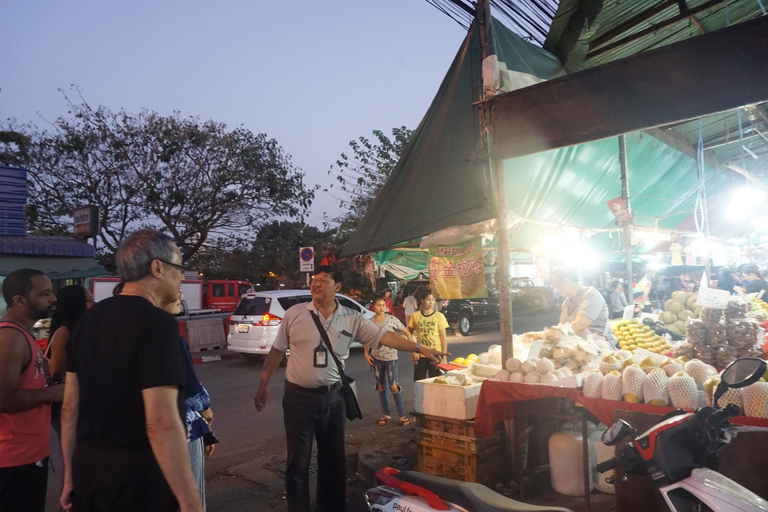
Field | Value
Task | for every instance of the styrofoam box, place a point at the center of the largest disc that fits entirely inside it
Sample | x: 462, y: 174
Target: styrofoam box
x: 457, y: 402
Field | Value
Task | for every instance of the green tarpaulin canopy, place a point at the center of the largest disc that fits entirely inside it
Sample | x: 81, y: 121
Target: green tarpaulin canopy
x: 443, y: 180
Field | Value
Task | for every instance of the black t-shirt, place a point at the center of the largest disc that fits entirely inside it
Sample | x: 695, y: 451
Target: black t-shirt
x: 121, y: 346
x: 757, y: 285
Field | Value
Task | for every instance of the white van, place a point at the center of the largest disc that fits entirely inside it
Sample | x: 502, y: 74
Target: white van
x: 254, y: 323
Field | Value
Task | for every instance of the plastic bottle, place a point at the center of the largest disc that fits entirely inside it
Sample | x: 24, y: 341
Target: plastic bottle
x: 566, y: 463
x: 602, y: 453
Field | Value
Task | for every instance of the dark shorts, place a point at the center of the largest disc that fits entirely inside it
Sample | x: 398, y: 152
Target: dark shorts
x: 22, y: 488
x: 119, y: 481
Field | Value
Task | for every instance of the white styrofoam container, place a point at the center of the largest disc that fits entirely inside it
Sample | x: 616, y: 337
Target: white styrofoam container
x: 446, y: 401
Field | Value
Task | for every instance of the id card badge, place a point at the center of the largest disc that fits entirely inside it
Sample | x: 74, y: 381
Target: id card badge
x: 321, y: 357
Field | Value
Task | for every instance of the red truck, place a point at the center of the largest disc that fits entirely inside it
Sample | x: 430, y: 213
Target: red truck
x: 199, y: 295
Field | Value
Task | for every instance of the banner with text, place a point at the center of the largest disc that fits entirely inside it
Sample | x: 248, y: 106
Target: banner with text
x: 456, y: 271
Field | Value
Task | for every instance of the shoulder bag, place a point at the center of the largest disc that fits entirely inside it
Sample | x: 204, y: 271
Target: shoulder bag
x: 348, y: 387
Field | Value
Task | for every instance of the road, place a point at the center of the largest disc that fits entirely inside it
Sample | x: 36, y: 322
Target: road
x: 243, y: 474
x: 245, y: 471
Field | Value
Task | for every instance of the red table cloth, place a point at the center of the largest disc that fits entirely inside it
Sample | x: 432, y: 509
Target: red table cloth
x: 497, y: 403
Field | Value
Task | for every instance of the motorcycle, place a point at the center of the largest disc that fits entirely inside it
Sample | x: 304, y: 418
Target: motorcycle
x: 674, y: 451
x: 411, y: 491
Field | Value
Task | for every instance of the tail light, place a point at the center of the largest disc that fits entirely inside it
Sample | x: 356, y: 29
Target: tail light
x: 270, y: 319
x: 231, y: 322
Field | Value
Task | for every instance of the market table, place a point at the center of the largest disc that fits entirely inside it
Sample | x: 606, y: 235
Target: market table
x: 498, y: 400
x: 497, y: 403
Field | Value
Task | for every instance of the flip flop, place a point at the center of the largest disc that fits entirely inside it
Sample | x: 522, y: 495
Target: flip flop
x: 384, y: 420
x: 405, y: 421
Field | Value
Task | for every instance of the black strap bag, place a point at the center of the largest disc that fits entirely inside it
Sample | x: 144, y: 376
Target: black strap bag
x: 348, y: 387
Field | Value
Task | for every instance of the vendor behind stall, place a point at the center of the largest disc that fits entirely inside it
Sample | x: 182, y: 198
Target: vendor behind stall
x: 584, y: 308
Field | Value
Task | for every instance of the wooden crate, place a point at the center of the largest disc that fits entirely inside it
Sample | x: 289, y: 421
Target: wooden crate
x: 484, y: 467
x: 451, y: 441
x: 456, y: 427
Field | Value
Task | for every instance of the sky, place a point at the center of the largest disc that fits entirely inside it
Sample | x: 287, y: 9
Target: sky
x: 311, y: 74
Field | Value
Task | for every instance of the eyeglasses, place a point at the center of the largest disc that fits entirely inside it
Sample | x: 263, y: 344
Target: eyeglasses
x: 175, y: 265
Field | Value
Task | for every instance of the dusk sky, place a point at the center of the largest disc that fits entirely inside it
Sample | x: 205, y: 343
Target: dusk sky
x: 311, y: 74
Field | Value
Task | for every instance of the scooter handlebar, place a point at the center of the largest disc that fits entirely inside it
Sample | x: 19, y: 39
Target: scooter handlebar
x: 723, y: 415
x: 608, y: 465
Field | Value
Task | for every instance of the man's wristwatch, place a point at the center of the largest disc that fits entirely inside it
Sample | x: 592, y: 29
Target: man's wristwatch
x: 418, y: 346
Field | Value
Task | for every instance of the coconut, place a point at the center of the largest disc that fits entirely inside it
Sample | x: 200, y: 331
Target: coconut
x: 549, y: 377
x: 544, y: 366
x: 528, y: 366
x: 502, y: 374
x: 517, y: 376
x: 512, y: 365
x: 532, y: 377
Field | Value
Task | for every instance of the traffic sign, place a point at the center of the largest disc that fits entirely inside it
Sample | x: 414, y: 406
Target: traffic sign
x: 306, y: 259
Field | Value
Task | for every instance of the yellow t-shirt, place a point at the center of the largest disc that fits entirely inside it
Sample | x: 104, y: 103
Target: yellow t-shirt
x: 427, y: 328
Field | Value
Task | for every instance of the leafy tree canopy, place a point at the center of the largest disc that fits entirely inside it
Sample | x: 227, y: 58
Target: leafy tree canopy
x: 360, y: 175
x: 192, y: 179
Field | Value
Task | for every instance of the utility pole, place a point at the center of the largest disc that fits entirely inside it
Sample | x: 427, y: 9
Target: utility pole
x: 499, y: 191
x: 629, y: 222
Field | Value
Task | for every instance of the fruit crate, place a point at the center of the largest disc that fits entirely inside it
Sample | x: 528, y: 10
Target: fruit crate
x: 451, y: 441
x: 452, y: 426
x: 483, y: 467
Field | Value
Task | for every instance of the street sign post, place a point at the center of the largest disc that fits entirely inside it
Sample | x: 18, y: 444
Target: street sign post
x: 306, y: 259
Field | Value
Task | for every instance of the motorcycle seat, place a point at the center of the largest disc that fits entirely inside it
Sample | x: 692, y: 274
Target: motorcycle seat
x: 471, y: 496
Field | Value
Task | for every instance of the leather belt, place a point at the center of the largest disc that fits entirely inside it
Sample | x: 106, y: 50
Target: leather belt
x: 319, y: 390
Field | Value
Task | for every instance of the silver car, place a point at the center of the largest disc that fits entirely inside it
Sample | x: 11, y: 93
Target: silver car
x: 254, y: 323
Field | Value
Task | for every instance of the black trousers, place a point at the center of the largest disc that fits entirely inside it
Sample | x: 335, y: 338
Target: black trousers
x: 119, y: 481
x: 321, y: 417
x: 424, y: 368
x: 23, y: 488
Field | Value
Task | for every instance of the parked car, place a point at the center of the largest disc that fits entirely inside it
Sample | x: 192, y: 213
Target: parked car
x: 254, y: 324
x: 463, y: 314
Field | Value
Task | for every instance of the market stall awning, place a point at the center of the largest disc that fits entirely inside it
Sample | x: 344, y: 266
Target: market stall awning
x: 442, y: 181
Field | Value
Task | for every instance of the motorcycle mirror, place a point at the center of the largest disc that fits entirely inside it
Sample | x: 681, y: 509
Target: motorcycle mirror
x: 740, y: 373
x: 616, y: 432
x: 743, y: 372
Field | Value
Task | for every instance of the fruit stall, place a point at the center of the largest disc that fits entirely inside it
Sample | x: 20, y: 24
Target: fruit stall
x: 659, y: 366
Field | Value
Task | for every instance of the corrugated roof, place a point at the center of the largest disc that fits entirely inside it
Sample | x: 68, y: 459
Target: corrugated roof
x: 32, y: 245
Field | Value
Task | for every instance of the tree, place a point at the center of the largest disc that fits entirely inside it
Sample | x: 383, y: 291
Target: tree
x: 191, y: 179
x: 361, y: 175
x: 275, y: 251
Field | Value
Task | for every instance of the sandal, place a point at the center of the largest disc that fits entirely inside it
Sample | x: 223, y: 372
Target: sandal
x: 384, y: 420
x: 405, y: 420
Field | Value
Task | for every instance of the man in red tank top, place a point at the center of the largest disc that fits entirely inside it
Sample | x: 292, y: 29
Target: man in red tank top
x: 25, y: 396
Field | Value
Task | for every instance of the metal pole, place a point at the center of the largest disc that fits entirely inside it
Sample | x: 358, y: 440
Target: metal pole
x: 628, y: 223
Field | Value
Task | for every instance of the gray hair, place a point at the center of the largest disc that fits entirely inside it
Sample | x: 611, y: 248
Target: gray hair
x: 136, y: 253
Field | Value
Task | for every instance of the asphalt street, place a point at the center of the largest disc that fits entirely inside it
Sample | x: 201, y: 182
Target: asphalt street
x: 245, y: 471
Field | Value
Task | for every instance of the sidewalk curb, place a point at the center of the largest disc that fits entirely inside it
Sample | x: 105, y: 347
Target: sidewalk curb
x: 199, y: 358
